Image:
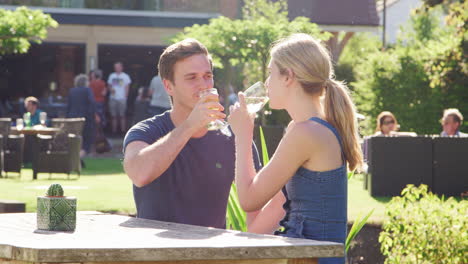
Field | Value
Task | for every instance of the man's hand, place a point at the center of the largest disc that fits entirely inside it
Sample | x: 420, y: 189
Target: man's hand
x: 206, y: 110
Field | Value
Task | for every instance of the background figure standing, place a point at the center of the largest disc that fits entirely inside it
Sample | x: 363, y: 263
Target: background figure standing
x: 99, y: 89
x: 451, y: 122
x: 119, y: 83
x: 81, y: 104
x: 160, y: 101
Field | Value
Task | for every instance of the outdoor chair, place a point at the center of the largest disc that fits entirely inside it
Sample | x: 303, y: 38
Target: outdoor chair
x: 1, y: 156
x: 395, y: 162
x: 69, y: 125
x: 57, y: 154
x: 12, y: 146
x: 450, y: 174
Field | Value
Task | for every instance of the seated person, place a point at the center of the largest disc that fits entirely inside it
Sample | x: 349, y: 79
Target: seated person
x: 31, y: 104
x: 387, y: 125
x: 451, y: 122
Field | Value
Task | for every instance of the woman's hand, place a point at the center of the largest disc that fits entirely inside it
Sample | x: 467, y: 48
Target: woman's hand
x: 240, y: 120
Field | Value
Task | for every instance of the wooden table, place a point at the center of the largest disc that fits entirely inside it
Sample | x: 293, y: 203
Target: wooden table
x: 35, y: 131
x: 104, y: 238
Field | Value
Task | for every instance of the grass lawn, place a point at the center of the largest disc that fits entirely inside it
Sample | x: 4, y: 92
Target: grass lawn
x: 103, y: 186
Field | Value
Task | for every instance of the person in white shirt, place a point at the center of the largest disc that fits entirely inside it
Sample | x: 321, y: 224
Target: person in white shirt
x: 160, y: 101
x: 119, y: 83
x: 451, y: 122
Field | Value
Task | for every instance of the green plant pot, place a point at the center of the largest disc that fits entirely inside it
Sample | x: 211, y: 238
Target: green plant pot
x: 56, y: 213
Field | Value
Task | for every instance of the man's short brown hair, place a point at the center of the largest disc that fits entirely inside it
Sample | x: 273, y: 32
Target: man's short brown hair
x: 179, y: 51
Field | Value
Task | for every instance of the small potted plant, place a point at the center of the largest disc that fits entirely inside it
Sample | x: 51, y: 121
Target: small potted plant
x: 56, y: 212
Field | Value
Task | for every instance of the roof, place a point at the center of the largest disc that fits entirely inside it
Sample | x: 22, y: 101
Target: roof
x: 123, y: 17
x: 336, y: 12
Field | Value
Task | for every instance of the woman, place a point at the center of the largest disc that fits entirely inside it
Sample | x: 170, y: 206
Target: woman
x: 81, y: 104
x: 319, y: 144
x: 386, y: 124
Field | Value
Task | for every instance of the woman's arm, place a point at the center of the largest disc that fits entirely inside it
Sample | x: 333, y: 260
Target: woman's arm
x: 266, y: 220
x: 255, y: 190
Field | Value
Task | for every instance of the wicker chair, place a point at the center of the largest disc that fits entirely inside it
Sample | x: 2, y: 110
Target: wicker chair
x: 13, y: 148
x: 69, y: 125
x: 57, y: 154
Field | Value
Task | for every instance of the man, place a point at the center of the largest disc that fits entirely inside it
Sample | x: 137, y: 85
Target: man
x: 181, y: 171
x: 451, y: 122
x: 119, y: 83
x: 160, y: 101
x: 31, y: 104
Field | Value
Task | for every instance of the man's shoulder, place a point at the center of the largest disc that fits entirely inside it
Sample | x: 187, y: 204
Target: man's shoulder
x: 158, y: 121
x: 149, y: 130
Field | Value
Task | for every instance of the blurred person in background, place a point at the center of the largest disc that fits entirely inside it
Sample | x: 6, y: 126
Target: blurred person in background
x: 99, y: 88
x: 81, y: 104
x: 32, y: 107
x: 451, y: 122
x: 119, y: 83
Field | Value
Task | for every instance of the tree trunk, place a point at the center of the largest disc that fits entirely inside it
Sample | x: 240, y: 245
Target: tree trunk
x: 336, y: 45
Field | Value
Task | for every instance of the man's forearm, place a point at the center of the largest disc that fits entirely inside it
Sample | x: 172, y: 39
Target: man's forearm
x: 144, y: 165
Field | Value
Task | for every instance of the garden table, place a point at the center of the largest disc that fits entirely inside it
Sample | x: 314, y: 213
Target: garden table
x: 105, y: 238
x: 30, y: 135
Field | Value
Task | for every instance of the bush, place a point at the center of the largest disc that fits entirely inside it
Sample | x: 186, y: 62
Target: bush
x: 423, y: 74
x: 422, y: 228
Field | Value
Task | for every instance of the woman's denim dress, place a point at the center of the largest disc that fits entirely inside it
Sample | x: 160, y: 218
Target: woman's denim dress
x: 316, y: 204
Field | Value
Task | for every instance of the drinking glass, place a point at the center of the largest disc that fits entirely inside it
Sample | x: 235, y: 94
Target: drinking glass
x: 217, y: 124
x: 27, y: 119
x: 256, y: 97
x: 43, y: 118
x: 19, y: 124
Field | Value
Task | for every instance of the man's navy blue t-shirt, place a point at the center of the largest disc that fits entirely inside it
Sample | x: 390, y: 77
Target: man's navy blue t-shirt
x: 195, y: 188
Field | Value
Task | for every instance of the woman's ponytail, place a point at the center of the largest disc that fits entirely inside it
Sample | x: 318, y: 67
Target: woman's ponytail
x: 340, y: 111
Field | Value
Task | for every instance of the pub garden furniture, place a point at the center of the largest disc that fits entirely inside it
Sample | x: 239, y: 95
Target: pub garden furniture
x: 103, y: 238
x: 29, y: 134
x: 13, y: 148
x: 395, y: 162
x: 59, y: 153
x: 438, y: 162
x: 450, y: 160
x: 69, y: 125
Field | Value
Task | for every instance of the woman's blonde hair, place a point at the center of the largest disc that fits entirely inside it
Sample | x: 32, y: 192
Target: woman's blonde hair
x: 311, y: 65
x: 381, y: 117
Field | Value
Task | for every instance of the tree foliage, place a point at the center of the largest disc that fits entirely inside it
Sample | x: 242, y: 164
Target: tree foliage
x: 421, y: 75
x: 246, y: 42
x: 20, y: 27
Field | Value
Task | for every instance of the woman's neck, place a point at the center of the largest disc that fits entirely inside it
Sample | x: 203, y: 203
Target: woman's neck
x: 303, y: 106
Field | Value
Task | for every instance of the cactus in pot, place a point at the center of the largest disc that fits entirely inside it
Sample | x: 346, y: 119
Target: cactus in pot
x: 56, y: 212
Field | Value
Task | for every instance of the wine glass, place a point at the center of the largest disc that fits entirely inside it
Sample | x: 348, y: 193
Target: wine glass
x: 19, y: 124
x: 255, y: 97
x: 27, y: 119
x: 216, y: 124
x: 43, y: 118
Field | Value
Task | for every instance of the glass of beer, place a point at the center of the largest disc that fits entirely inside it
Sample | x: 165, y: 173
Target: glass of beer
x: 217, y: 124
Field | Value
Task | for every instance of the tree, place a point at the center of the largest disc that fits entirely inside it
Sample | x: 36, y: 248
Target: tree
x: 246, y: 42
x: 424, y: 73
x: 20, y: 27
